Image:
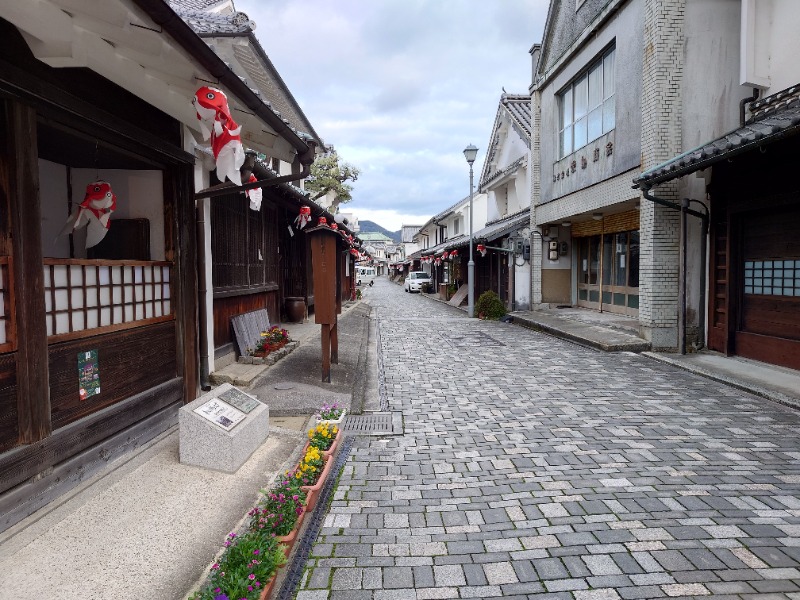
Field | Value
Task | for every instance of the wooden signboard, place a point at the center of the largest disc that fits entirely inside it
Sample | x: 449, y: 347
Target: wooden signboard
x: 325, y: 266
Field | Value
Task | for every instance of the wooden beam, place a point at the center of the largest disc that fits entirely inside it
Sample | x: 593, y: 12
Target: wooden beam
x: 180, y: 246
x: 52, y: 101
x: 33, y: 389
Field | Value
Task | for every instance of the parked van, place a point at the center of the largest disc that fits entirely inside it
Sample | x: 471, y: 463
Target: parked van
x: 365, y: 274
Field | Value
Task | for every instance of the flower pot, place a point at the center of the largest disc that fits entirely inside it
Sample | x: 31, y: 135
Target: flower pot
x: 312, y: 491
x: 330, y: 451
x: 268, y: 587
x: 336, y: 422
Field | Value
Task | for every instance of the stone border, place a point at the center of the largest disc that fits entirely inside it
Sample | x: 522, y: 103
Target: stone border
x: 271, y: 358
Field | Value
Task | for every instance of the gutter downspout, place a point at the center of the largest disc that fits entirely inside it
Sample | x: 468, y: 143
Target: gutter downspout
x: 685, y: 210
x: 745, y: 101
x: 306, y: 159
x: 202, y: 284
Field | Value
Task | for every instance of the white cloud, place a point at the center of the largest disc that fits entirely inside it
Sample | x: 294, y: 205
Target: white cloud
x: 401, y: 87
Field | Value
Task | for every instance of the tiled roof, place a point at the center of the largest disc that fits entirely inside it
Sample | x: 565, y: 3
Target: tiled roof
x: 512, y: 168
x: 492, y: 231
x: 500, y: 227
x: 195, y: 4
x: 519, y: 107
x: 203, y: 22
x: 775, y: 117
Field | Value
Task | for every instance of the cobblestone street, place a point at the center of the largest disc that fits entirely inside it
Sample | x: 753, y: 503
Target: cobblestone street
x: 534, y: 467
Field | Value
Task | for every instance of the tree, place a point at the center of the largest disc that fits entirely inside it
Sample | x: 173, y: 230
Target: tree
x: 329, y: 176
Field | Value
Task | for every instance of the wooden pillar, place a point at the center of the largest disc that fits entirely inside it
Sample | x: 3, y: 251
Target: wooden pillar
x: 21, y: 190
x: 181, y: 248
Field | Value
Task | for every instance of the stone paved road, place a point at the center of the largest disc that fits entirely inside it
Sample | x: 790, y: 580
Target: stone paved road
x: 531, y: 467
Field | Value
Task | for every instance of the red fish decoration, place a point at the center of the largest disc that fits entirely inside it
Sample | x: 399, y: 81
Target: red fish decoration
x: 217, y: 123
x: 94, y: 212
x: 302, y: 219
x: 254, y: 195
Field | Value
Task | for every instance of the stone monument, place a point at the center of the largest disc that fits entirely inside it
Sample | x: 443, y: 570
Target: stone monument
x: 221, y: 429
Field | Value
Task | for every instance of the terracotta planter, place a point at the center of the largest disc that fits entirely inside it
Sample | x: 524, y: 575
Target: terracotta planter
x: 288, y: 540
x: 312, y: 491
x: 268, y: 587
x: 326, y: 454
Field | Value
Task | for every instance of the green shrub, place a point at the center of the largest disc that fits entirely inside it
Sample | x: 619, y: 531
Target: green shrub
x: 490, y: 306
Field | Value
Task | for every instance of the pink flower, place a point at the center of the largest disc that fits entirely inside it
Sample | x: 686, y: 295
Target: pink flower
x: 215, y: 566
x: 251, y: 577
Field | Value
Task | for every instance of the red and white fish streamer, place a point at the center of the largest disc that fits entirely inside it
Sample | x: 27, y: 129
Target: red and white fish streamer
x: 255, y: 195
x: 302, y: 219
x: 94, y: 212
x: 217, y: 123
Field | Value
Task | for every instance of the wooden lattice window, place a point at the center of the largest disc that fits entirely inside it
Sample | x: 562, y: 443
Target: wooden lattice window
x: 87, y: 295
x: 243, y: 245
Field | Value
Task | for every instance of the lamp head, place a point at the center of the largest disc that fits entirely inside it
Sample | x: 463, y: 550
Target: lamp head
x: 470, y: 152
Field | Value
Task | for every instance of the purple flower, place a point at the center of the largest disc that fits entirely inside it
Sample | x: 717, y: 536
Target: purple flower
x: 218, y: 590
x: 221, y: 597
x: 256, y: 551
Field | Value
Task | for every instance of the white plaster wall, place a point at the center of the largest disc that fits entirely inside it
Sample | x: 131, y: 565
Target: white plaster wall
x: 140, y: 195
x: 775, y: 43
x: 54, y: 208
x: 522, y: 284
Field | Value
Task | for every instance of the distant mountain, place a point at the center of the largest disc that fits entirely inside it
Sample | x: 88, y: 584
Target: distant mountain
x: 370, y: 227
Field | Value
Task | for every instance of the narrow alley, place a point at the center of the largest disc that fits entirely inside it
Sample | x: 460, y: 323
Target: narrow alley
x: 533, y: 467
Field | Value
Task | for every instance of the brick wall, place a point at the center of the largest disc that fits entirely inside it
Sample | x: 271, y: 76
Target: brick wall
x: 662, y: 74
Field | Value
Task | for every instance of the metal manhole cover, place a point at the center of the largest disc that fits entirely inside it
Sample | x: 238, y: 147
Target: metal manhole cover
x: 384, y: 423
x: 471, y: 339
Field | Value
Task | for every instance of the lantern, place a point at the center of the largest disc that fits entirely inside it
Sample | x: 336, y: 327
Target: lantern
x: 453, y: 254
x: 334, y: 226
x: 482, y: 249
x: 323, y: 222
x: 302, y: 219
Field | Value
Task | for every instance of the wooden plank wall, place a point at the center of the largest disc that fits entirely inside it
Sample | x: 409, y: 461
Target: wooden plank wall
x: 130, y: 362
x: 9, y: 431
x: 228, y: 307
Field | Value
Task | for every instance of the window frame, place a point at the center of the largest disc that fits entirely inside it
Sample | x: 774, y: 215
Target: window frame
x: 581, y: 100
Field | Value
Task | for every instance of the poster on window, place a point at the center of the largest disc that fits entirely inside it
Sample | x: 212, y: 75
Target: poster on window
x: 88, y: 374
x: 220, y: 413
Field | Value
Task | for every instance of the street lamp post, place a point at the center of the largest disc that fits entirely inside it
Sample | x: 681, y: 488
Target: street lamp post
x: 470, y: 152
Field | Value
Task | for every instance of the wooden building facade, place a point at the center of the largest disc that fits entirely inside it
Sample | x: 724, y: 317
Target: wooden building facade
x: 124, y: 312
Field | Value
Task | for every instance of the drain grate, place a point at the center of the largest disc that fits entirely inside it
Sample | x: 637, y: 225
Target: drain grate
x: 376, y: 423
x: 471, y: 339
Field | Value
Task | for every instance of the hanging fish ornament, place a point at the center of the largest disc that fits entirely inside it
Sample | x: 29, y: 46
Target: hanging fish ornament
x: 302, y: 219
x: 254, y: 195
x: 217, y: 123
x: 94, y: 212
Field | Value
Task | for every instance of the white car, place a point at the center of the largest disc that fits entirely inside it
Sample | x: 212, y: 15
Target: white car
x: 417, y: 281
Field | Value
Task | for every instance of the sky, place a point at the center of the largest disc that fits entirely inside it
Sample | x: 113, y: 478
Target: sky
x: 401, y: 87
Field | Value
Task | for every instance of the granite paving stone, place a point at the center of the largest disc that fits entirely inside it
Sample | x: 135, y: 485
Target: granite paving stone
x: 532, y: 467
